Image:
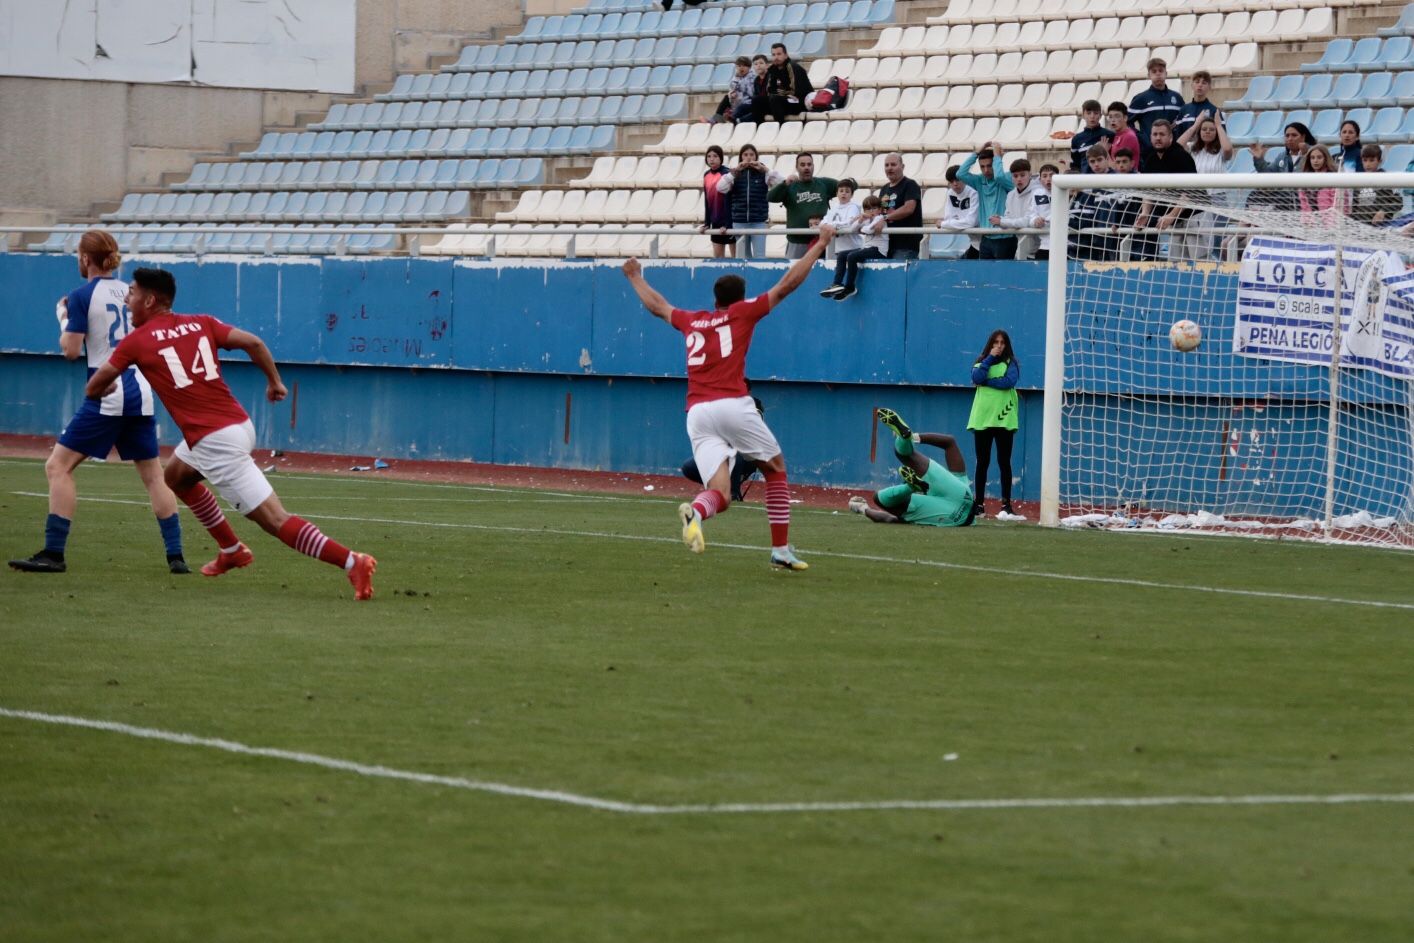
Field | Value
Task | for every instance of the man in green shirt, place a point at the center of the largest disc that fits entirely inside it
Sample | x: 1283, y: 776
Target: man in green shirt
x: 805, y: 197
x: 931, y: 494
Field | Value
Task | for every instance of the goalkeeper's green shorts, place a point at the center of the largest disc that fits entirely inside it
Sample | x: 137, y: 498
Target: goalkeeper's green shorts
x: 948, y: 502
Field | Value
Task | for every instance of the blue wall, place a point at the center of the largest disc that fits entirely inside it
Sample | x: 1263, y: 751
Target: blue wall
x: 412, y: 358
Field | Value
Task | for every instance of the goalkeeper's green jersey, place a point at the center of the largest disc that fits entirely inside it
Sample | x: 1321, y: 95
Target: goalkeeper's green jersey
x: 993, y: 408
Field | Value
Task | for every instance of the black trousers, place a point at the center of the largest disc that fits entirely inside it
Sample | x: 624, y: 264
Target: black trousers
x: 982, y: 439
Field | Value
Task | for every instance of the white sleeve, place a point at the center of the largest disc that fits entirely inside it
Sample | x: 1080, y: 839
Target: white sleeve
x: 969, y: 216
x: 724, y: 183
x: 774, y: 177
x: 1010, y: 221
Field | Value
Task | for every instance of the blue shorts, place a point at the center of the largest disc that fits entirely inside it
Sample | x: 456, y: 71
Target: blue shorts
x: 95, y: 434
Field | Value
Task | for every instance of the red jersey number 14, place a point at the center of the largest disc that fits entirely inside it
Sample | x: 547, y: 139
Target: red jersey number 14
x: 203, y: 364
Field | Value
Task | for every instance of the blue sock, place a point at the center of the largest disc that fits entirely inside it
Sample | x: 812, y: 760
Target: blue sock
x: 56, y: 534
x: 171, y: 534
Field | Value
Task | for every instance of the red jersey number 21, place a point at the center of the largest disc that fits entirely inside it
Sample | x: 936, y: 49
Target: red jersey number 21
x: 697, y: 344
x: 202, y: 365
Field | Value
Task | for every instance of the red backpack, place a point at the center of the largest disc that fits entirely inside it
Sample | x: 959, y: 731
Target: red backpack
x: 833, y: 96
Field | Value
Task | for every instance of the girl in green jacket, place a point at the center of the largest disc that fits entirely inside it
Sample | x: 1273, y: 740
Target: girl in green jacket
x: 993, y: 419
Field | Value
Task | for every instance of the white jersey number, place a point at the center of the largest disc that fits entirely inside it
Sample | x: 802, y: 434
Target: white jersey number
x: 697, y: 345
x: 202, y: 365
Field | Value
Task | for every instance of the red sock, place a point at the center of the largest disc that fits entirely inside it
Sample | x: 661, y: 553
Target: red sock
x: 307, y: 539
x: 204, y: 507
x: 778, y: 507
x: 709, y: 502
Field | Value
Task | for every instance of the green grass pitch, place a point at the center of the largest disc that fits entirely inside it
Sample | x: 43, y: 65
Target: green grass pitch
x: 503, y: 648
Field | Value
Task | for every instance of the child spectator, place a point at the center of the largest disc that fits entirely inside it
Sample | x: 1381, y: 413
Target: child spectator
x: 1087, y: 137
x: 875, y: 245
x: 1124, y: 136
x: 1090, y: 209
x: 1212, y: 152
x: 991, y: 193
x: 1200, y: 84
x: 1017, y: 212
x: 1322, y: 203
x: 960, y: 211
x: 748, y: 183
x: 717, y: 211
x: 741, y: 91
x: 1041, y: 210
x: 843, y: 216
x: 1375, y: 206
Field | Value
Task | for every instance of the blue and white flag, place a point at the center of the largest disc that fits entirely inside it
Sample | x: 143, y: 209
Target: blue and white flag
x: 1286, y: 295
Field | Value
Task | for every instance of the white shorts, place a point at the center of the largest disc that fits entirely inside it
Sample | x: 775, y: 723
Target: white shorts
x: 223, y: 458
x: 722, y: 428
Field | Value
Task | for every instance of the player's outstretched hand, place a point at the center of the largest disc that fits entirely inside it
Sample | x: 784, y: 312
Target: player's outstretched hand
x: 633, y: 268
x: 827, y: 232
x: 61, y: 311
x: 275, y: 392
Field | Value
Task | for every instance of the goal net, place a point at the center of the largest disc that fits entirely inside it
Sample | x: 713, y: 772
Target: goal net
x: 1294, y: 414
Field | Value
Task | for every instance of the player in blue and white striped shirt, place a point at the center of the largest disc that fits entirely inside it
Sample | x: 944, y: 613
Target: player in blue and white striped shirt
x: 94, y: 318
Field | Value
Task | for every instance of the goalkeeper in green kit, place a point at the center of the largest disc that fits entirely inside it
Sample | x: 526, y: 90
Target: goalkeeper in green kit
x: 931, y: 494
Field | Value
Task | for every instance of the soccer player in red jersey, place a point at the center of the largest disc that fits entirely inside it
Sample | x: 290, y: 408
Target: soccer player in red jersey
x: 177, y: 355
x: 722, y: 420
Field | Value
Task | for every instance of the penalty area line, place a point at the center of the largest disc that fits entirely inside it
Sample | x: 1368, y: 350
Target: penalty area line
x: 562, y: 797
x: 863, y: 557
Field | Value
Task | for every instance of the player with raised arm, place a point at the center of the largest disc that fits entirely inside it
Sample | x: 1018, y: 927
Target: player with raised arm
x: 93, y: 318
x: 931, y: 494
x: 722, y: 420
x: 177, y: 354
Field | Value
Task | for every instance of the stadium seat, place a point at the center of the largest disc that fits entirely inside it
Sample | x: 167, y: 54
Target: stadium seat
x: 1394, y: 53
x: 1376, y: 92
x: 1386, y: 127
x: 1288, y: 91
x: 1326, y: 123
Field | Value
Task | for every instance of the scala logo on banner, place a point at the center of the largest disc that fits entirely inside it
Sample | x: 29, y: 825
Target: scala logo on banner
x: 1287, y: 293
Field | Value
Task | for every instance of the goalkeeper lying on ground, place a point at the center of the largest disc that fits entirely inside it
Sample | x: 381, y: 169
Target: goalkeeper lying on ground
x: 930, y: 494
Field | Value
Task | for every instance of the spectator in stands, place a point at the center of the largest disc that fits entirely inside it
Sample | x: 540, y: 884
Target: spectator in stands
x: 902, y: 199
x: 1207, y: 140
x: 741, y: 92
x: 1017, y: 211
x: 1156, y: 102
x: 873, y: 226
x: 787, y: 84
x: 1091, y: 134
x: 1316, y: 204
x: 1166, y: 157
x: 759, y: 66
x: 843, y: 217
x: 1375, y: 206
x: 1090, y: 209
x: 717, y: 211
x: 1200, y: 84
x: 1291, y: 159
x: 1348, y: 156
x: 1124, y: 205
x: 1123, y: 137
x: 1041, y: 210
x: 748, y: 183
x: 960, y: 211
x: 804, y: 195
x: 991, y: 194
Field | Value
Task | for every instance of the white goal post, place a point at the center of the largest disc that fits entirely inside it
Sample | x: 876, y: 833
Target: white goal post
x: 1293, y: 417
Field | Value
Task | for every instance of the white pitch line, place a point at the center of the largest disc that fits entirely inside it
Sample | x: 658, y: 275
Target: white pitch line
x: 724, y: 808
x: 865, y: 557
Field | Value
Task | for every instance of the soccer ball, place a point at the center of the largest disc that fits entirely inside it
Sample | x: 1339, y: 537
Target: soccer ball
x: 1185, y: 335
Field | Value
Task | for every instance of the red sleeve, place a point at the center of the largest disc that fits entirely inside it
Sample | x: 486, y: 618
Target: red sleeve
x: 758, y: 307
x: 680, y: 319
x: 125, y: 354
x: 220, y: 330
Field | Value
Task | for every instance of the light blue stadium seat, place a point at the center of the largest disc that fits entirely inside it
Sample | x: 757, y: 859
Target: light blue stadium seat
x: 792, y: 16
x: 126, y: 210
x: 660, y: 76
x: 649, y: 23
x: 621, y: 82
x: 339, y: 144
x: 709, y: 78
x: 1402, y: 89
x: 162, y: 209
x: 1386, y: 127
x: 411, y: 114
x: 544, y: 54
x: 772, y: 17
x: 535, y: 82
x: 611, y: 109
x: 688, y: 24
x: 274, y: 210
x: 294, y: 208
x: 201, y: 207
x: 546, y: 110
x: 438, y: 87
x: 478, y: 140
x: 601, y: 137
x: 334, y: 118
x: 1398, y: 157
x: 623, y: 50
x: 555, y: 81
x: 477, y: 86
x: 290, y: 173
x: 377, y: 145
x: 488, y: 172
x: 457, y: 88
x: 1397, y: 52
x: 539, y: 140
x: 445, y: 115
x: 353, y: 206
x: 1258, y: 95
x: 1288, y: 92
x: 240, y: 205
x: 464, y: 173
x: 390, y: 209
x: 673, y: 106
x: 362, y: 141
x: 466, y: 62
x: 417, y: 142
x: 403, y: 83
x: 516, y: 141
x: 1336, y: 57
x: 410, y: 173
x: 678, y: 77
x: 216, y: 175
x: 645, y: 51
x: 1239, y: 126
x: 535, y: 28
x: 559, y: 139
x: 589, y: 111
x: 325, y: 175
x: 582, y: 53
x: 882, y: 11
x: 323, y: 144
x: 1405, y: 26
x: 1377, y: 90
x: 444, y: 173
x: 372, y: 116
x: 329, y: 207
x: 420, y: 85
x: 505, y: 114
x: 1317, y: 91
x: 1303, y: 115
x: 818, y: 13
x: 1326, y: 123
x: 1361, y: 116
x: 562, y: 55
x: 711, y: 20
x: 810, y: 45
x: 1345, y: 89
x: 611, y: 25
x: 1366, y: 54
x: 496, y: 85
x: 458, y: 205
x: 596, y: 81
x: 196, y: 179
x: 530, y: 172
x: 742, y: 19
x: 1267, y: 128
x: 591, y: 23
x: 517, y: 82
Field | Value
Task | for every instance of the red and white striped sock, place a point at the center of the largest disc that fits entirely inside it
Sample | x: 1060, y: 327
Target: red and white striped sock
x: 208, y: 513
x: 308, y: 540
x: 778, y: 508
x: 709, y: 502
